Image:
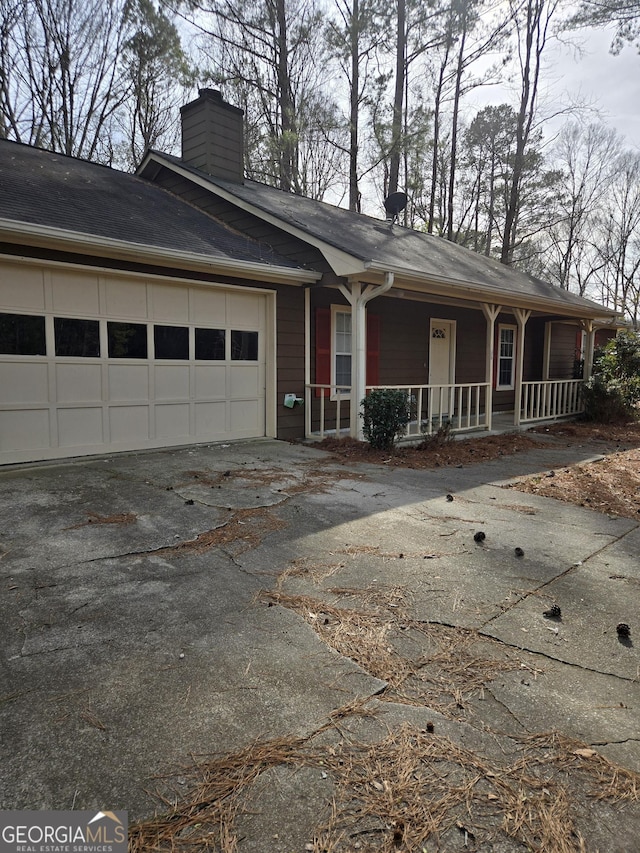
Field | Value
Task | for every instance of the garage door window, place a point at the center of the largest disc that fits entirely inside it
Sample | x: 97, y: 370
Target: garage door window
x: 127, y: 340
x: 22, y: 334
x: 171, y: 342
x: 244, y: 346
x: 210, y: 344
x: 78, y: 338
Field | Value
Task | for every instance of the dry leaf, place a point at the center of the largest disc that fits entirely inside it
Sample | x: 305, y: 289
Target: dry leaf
x: 585, y: 753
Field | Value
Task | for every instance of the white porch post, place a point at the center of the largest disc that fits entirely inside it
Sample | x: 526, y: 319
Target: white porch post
x: 589, y: 327
x: 491, y: 313
x: 358, y: 299
x: 308, y: 393
x: 358, y: 356
x: 521, y: 318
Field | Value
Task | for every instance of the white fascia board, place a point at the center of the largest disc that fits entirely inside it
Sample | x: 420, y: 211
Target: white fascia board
x: 442, y: 285
x: 341, y: 262
x: 30, y: 234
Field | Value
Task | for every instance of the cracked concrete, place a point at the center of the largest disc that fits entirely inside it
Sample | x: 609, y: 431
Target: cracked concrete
x: 133, y: 633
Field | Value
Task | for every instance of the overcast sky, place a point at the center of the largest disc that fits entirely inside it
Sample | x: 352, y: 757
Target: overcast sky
x: 609, y: 84
x: 613, y: 82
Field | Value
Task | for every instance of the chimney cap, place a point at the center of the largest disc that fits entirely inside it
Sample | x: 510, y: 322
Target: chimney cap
x: 214, y: 95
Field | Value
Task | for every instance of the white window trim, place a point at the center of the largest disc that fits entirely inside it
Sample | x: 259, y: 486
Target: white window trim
x: 510, y: 386
x: 338, y: 309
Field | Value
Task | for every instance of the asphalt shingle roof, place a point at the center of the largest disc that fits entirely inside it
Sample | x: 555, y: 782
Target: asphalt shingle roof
x: 53, y: 190
x: 382, y: 246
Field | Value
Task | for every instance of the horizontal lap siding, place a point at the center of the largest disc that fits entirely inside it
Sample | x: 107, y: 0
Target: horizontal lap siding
x: 404, y: 341
x: 290, y: 360
x: 404, y: 338
x: 562, y: 353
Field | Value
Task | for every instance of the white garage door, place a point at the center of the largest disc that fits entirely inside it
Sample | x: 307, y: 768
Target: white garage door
x: 95, y: 363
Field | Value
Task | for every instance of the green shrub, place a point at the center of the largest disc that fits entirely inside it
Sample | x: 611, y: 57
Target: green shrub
x: 386, y: 413
x: 603, y: 403
x: 613, y: 393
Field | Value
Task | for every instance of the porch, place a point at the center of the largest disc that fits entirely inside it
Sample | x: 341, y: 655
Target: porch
x: 463, y: 408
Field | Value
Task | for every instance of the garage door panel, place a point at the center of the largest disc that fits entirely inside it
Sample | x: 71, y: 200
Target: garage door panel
x: 22, y: 288
x: 25, y: 429
x: 245, y: 381
x: 73, y: 395
x: 128, y: 424
x: 126, y: 299
x: 211, y: 382
x: 170, y: 304
x: 76, y: 294
x: 79, y: 427
x: 246, y: 417
x: 172, y: 421
x: 245, y: 311
x: 208, y: 307
x: 211, y: 419
x: 171, y: 382
x: 79, y: 383
x: 128, y: 382
x: 21, y: 382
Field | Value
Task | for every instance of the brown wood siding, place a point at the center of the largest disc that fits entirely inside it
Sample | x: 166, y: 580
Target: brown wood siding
x: 290, y: 360
x: 404, y: 338
x: 562, y: 354
x: 603, y: 336
x: 534, y: 333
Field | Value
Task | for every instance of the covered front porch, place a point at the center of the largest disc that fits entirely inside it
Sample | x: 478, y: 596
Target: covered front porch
x: 487, y: 365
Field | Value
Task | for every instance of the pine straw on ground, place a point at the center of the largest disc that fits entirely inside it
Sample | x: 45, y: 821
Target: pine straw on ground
x: 432, y: 454
x: 456, y: 665
x: 610, y: 485
x: 411, y: 787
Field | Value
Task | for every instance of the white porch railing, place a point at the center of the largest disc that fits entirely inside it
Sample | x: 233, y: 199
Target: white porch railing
x: 334, y: 398
x: 461, y: 406
x: 553, y: 398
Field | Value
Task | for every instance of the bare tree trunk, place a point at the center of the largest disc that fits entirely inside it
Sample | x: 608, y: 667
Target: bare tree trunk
x: 538, y: 17
x: 287, y: 154
x: 398, y: 99
x: 436, y: 143
x: 354, y: 192
x: 454, y: 127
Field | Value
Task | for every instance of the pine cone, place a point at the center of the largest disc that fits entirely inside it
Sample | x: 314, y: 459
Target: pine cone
x: 519, y: 552
x: 623, y: 629
x: 479, y: 536
x: 553, y: 612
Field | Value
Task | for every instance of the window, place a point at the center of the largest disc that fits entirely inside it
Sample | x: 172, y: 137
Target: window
x: 342, y: 348
x: 22, y: 334
x: 210, y: 344
x: 333, y: 349
x: 127, y: 340
x: 506, y: 357
x: 79, y: 338
x: 244, y: 346
x: 171, y: 342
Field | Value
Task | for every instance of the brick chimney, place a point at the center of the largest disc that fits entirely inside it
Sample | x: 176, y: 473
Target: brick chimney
x: 212, y: 136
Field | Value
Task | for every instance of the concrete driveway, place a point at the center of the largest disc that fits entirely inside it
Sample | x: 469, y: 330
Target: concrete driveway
x: 160, y: 605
